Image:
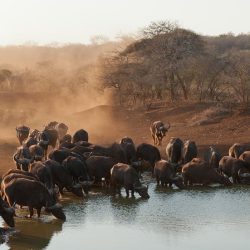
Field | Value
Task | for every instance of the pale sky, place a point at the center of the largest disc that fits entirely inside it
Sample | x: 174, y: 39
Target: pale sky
x: 76, y: 21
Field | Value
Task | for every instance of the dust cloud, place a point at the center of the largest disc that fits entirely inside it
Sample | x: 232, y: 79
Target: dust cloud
x: 56, y: 83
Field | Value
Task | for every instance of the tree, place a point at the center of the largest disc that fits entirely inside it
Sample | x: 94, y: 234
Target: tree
x: 167, y: 49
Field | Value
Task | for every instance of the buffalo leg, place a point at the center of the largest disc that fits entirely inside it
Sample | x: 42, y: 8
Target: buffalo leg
x: 127, y: 193
x: 38, y: 212
x: 31, y: 213
x: 133, y: 193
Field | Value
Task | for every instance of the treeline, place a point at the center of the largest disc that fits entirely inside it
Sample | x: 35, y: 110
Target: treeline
x: 174, y: 64
x: 163, y: 63
x: 67, y: 69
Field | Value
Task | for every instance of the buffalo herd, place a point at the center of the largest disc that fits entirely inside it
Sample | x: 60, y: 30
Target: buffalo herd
x: 51, y: 161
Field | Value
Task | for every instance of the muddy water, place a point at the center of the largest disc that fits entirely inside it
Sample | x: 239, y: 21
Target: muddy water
x: 198, y: 218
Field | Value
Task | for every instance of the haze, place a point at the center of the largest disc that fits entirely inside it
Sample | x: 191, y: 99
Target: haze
x: 77, y: 21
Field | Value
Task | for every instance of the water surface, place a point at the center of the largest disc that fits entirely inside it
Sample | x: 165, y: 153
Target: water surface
x: 198, y: 218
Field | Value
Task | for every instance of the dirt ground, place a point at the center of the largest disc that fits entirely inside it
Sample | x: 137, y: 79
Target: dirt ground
x: 206, y: 124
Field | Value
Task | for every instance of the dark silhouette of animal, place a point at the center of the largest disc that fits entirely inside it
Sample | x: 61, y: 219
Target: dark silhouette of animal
x: 174, y: 151
x: 32, y: 139
x: 245, y: 157
x: 22, y: 133
x: 189, y: 151
x: 115, y: 151
x: 212, y: 156
x: 33, y: 194
x: 126, y: 140
x: 18, y: 171
x: 44, y: 175
x: 36, y: 152
x: 7, y: 213
x: 23, y: 158
x: 99, y: 167
x: 130, y: 152
x: 165, y: 174
x: 149, y: 153
x: 198, y: 171
x: 59, y: 155
x: 230, y: 166
x: 46, y: 138
x: 62, y: 130
x: 158, y: 130
x: 63, y: 179
x: 237, y: 149
x: 80, y: 135
x: 79, y: 172
x: 123, y: 175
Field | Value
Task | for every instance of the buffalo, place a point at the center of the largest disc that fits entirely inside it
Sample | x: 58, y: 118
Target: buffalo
x: 198, y: 171
x: 7, y: 213
x: 126, y: 140
x: 33, y: 194
x: 237, y: 149
x: 44, y: 175
x: 47, y: 137
x: 22, y: 133
x: 62, y: 178
x: 212, y: 157
x: 149, y: 153
x: 23, y: 158
x: 62, y: 130
x: 189, y: 151
x: 230, y: 166
x: 165, y: 173
x: 80, y: 135
x: 115, y: 151
x: 158, y: 130
x: 123, y: 175
x: 32, y: 139
x: 99, y: 167
x: 174, y: 151
x: 79, y: 172
x: 36, y: 152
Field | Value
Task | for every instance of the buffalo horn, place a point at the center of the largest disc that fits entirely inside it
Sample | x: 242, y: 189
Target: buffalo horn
x: 87, y: 154
x: 244, y: 175
x: 77, y: 185
x: 56, y: 206
x: 16, y: 159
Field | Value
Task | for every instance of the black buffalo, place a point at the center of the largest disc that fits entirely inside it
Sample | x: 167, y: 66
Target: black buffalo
x: 33, y: 194
x: 149, y: 153
x: 80, y: 135
x: 123, y: 175
x: 22, y: 133
x: 174, y: 151
x: 198, y: 171
x: 99, y: 167
x: 23, y: 158
x: 63, y: 179
x: 165, y: 174
x: 189, y: 151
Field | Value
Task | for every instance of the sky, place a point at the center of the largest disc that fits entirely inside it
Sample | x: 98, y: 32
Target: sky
x: 77, y: 21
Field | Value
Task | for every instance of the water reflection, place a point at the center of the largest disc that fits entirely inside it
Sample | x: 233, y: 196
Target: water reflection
x: 34, y: 233
x: 170, y: 219
x: 124, y: 209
